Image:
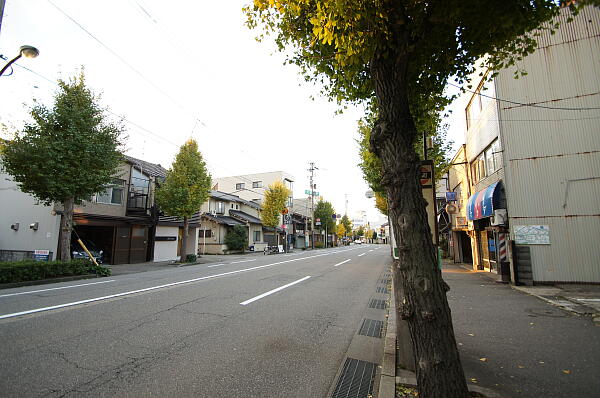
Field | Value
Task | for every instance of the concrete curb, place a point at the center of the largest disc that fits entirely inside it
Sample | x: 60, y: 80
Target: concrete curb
x: 387, y: 381
x: 47, y: 281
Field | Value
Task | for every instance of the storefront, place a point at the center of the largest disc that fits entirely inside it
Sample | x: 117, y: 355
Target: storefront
x: 487, y: 216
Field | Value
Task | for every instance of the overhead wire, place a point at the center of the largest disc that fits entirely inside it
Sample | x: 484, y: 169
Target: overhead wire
x: 119, y: 57
x: 524, y: 104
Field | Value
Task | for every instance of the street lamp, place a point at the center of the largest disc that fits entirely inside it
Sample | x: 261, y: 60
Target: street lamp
x: 24, y: 51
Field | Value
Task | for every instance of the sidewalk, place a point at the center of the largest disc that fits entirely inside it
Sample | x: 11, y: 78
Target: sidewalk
x: 520, y: 346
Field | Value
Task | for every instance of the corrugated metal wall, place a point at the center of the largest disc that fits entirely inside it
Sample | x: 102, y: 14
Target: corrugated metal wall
x: 546, y: 150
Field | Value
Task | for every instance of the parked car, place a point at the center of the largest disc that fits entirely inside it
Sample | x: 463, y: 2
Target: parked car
x: 358, y: 242
x: 78, y: 252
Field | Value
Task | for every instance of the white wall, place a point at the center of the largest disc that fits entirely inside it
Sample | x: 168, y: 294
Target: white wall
x: 165, y: 251
x: 22, y: 208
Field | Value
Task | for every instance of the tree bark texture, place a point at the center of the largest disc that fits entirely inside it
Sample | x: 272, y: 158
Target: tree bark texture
x: 424, y: 304
x: 184, y: 239
x: 66, y: 228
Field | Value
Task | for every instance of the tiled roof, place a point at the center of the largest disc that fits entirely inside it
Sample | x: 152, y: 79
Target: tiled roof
x: 193, y: 220
x: 226, y: 220
x: 245, y: 216
x: 233, y: 198
x: 154, y: 170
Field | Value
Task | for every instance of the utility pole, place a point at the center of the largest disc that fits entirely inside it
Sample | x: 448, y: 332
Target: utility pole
x: 312, y: 202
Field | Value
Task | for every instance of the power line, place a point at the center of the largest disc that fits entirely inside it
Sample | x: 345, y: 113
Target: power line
x: 120, y: 58
x: 523, y: 104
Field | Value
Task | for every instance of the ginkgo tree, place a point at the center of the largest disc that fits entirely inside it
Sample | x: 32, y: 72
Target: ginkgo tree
x: 276, y: 197
x: 397, y: 55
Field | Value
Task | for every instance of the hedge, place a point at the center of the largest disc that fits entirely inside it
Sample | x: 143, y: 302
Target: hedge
x: 31, y: 270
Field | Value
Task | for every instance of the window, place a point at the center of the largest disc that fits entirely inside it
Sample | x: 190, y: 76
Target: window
x: 207, y: 233
x: 220, y: 207
x: 487, y: 163
x: 113, y: 194
x: 290, y: 202
x: 289, y: 184
x: 239, y: 186
x: 232, y: 205
x: 480, y: 102
x: 257, y: 184
x: 237, y: 207
x: 256, y: 236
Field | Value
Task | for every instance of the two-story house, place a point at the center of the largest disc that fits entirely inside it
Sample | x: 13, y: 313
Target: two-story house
x: 119, y: 221
x: 209, y: 226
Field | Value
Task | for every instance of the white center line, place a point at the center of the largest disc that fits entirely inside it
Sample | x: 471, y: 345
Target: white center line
x: 241, y: 261
x: 54, y: 307
x: 273, y: 291
x: 362, y: 254
x: 55, y: 288
x: 343, y: 262
x: 371, y: 250
x: 215, y: 265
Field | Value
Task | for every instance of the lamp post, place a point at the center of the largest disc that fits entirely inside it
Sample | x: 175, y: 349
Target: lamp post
x: 24, y: 51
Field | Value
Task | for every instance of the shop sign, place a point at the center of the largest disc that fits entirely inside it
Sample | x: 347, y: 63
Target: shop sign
x: 41, y: 255
x: 532, y: 234
x: 461, y: 221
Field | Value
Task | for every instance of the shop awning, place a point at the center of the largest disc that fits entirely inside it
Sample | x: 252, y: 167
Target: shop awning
x: 481, y: 204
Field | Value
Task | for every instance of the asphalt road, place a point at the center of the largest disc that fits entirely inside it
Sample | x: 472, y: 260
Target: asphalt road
x: 256, y: 326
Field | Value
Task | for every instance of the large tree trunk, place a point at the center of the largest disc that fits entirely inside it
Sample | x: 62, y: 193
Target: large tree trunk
x: 66, y: 226
x: 184, y: 239
x: 424, y: 304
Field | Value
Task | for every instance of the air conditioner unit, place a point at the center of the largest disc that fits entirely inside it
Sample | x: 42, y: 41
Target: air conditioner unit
x: 500, y: 217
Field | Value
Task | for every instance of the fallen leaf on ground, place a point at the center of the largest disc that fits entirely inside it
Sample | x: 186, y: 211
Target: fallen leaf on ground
x: 483, y: 359
x: 470, y: 334
x: 566, y: 371
x: 473, y: 380
x: 542, y: 362
x: 521, y: 366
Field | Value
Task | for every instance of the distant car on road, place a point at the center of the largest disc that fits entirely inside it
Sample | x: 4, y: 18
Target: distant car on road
x: 358, y: 242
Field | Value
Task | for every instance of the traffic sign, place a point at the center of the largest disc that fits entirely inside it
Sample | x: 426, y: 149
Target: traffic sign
x: 426, y: 175
x: 333, y: 216
x: 287, y: 219
x: 285, y: 211
x: 308, y: 192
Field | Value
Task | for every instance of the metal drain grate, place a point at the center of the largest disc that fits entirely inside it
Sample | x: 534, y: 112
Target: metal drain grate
x: 378, y: 304
x: 371, y: 328
x: 356, y: 380
x: 382, y: 290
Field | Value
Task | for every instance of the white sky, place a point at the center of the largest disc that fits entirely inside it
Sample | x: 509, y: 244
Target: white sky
x: 248, y: 111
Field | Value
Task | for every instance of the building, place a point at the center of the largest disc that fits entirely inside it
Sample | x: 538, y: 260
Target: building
x: 119, y: 221
x: 532, y: 157
x: 209, y: 226
x: 252, y: 187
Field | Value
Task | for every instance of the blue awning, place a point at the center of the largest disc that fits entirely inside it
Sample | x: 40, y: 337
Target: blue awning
x: 481, y: 204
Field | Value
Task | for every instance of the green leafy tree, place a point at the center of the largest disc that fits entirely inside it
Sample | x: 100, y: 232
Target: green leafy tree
x: 374, y: 235
x: 67, y: 153
x: 237, y: 238
x: 360, y: 231
x: 185, y: 189
x: 324, y: 210
x: 345, y: 221
x: 397, y: 55
x: 276, y: 197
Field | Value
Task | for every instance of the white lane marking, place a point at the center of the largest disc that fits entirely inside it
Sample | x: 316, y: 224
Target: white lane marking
x: 54, y: 307
x: 215, y: 265
x: 343, y: 262
x: 371, y: 250
x: 362, y: 254
x: 242, y: 261
x: 273, y: 291
x: 55, y: 288
x: 584, y: 299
